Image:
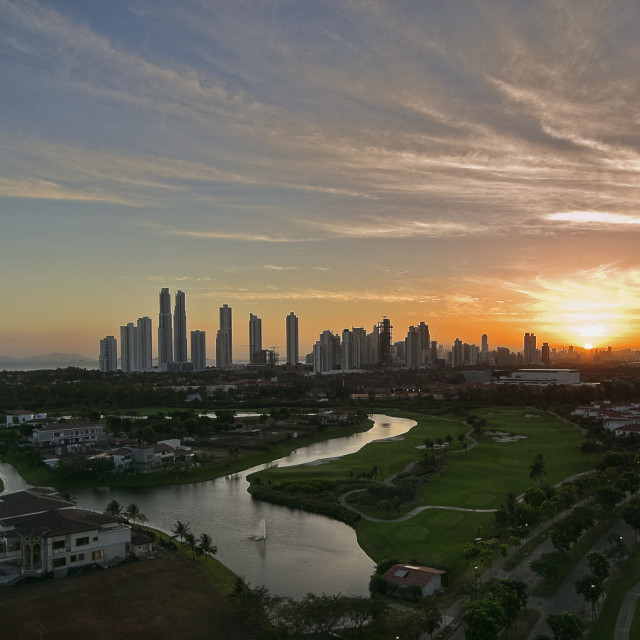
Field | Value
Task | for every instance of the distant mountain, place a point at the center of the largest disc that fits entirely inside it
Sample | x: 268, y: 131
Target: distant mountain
x: 57, y: 359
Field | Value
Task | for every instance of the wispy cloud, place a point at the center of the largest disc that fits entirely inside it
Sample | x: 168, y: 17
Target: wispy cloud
x: 598, y: 218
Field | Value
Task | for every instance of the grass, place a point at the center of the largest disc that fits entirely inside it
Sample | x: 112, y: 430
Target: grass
x: 615, y: 590
x: 433, y: 537
x: 165, y: 597
x: 476, y: 479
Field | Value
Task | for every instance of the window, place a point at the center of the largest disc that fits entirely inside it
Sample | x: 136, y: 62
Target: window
x: 58, y: 544
x: 81, y: 542
x: 14, y: 546
x: 95, y: 539
x: 59, y: 562
x: 98, y: 555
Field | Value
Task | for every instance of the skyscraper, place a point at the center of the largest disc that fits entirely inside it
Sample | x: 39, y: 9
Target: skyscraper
x: 108, y: 354
x: 180, y: 329
x: 292, y: 339
x: 530, y: 352
x: 144, y: 343
x: 224, y: 339
x: 128, y: 359
x: 384, y: 339
x: 255, y: 339
x: 165, y: 335
x: 198, y: 350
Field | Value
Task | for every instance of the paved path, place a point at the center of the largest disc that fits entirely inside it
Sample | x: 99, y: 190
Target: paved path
x: 627, y: 611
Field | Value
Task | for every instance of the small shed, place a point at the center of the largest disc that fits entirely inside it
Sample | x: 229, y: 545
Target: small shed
x: 412, y: 582
x: 140, y: 545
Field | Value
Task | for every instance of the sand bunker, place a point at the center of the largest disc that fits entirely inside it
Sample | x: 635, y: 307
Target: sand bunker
x: 503, y: 436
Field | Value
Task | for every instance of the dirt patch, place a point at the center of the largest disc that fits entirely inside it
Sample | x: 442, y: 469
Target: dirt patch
x: 167, y: 596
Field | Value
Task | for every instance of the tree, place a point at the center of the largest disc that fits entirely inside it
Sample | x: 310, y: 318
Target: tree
x: 484, y: 618
x: 206, y: 546
x: 192, y: 545
x: 360, y: 610
x: 549, y: 565
x: 598, y: 564
x: 590, y: 588
x: 537, y: 469
x: 631, y: 515
x: 180, y: 530
x: 114, y: 508
x: 132, y: 513
x: 565, y: 626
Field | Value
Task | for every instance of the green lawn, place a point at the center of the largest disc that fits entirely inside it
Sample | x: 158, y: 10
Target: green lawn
x: 434, y: 537
x: 477, y: 479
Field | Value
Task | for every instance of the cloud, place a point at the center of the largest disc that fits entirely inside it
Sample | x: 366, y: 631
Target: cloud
x: 595, y: 218
x: 275, y: 267
x: 378, y: 228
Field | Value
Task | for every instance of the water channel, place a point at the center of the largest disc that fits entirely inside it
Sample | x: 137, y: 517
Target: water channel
x: 304, y: 553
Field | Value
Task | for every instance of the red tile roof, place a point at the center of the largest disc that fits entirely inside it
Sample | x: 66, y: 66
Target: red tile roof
x: 411, y: 576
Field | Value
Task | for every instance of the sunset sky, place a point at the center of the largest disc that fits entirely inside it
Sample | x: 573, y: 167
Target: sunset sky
x: 473, y: 164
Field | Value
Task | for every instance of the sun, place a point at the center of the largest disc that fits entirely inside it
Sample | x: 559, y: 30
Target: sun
x: 588, y: 346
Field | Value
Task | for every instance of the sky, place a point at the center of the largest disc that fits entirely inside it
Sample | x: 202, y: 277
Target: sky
x: 473, y: 164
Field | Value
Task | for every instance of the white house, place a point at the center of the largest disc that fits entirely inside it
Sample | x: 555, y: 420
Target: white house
x: 41, y: 533
x: 16, y: 418
x: 84, y: 435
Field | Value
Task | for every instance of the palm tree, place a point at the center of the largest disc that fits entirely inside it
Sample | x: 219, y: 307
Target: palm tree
x: 536, y: 469
x: 192, y: 545
x: 206, y: 546
x: 132, y: 513
x: 114, y: 508
x: 180, y: 530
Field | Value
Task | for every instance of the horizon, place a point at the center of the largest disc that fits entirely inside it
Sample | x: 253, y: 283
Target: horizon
x: 475, y: 167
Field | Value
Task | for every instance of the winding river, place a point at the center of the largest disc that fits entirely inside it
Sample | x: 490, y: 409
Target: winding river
x: 304, y: 553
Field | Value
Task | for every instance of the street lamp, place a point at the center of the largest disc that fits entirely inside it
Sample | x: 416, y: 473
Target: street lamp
x: 526, y: 536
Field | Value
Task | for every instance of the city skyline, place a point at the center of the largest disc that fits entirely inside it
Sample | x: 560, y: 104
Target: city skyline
x: 471, y: 166
x: 350, y: 348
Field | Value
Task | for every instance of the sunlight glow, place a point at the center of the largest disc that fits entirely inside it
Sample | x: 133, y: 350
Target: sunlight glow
x: 600, y: 303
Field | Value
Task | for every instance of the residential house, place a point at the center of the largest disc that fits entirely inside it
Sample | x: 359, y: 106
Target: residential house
x: 41, y: 533
x: 411, y: 582
x: 72, y: 437
x: 16, y: 418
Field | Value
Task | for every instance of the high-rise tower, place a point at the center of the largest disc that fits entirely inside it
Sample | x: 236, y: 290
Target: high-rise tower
x: 530, y: 350
x: 128, y: 342
x: 165, y: 335
x: 255, y: 339
x: 144, y: 343
x: 180, y: 329
x: 108, y: 354
x: 198, y: 350
x: 224, y: 339
x: 292, y: 339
